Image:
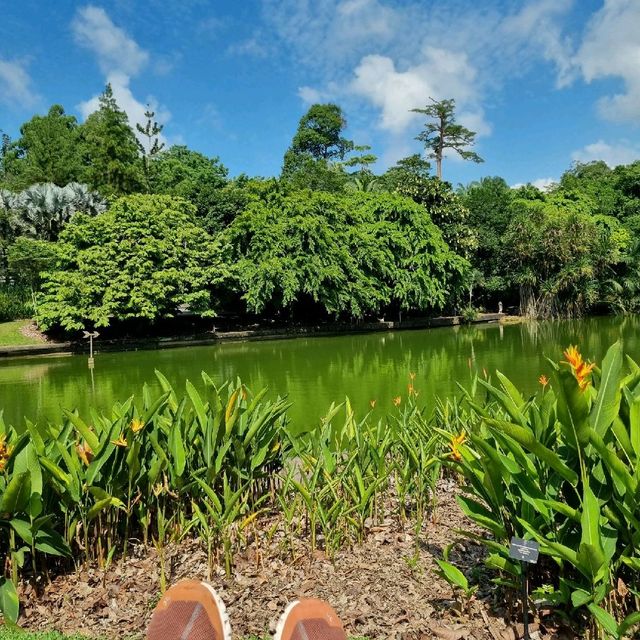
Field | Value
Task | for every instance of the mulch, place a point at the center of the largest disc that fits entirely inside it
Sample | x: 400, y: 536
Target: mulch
x: 385, y: 587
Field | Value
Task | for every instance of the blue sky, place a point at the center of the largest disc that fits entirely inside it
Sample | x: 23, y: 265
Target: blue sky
x: 543, y: 82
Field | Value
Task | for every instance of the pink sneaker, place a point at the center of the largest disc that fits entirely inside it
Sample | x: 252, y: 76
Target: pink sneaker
x: 309, y: 620
x: 190, y: 610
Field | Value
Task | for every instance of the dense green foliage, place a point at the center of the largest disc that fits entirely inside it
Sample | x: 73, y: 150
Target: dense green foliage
x: 47, y: 151
x: 143, y: 258
x: 561, y: 468
x: 350, y: 255
x: 567, y: 251
x: 330, y: 238
x: 15, y: 303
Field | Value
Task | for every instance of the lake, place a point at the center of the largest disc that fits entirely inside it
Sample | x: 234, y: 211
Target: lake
x: 314, y: 372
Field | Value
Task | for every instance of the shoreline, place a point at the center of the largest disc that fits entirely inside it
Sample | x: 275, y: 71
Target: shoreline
x: 173, y: 342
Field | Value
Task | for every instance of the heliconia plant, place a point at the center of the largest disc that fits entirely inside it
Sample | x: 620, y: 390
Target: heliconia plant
x: 561, y: 468
x: 86, y: 487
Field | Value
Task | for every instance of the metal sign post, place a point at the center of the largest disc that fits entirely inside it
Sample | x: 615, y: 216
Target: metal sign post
x: 527, y: 551
x: 91, y: 336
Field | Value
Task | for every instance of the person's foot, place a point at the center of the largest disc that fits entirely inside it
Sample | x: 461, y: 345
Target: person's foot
x: 190, y: 610
x: 309, y: 620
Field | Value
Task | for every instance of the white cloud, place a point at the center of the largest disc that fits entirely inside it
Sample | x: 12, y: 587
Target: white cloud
x: 536, y: 30
x: 120, y: 59
x: 544, y: 184
x: 15, y: 84
x: 134, y: 108
x: 115, y: 50
x: 612, y: 154
x: 439, y: 74
x: 611, y: 48
x: 255, y: 46
x: 309, y: 95
x: 393, y: 56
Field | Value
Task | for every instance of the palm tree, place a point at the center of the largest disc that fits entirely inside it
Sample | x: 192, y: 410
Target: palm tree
x: 42, y: 210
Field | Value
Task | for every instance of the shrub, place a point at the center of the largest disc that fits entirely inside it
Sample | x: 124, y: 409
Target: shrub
x: 15, y: 303
x: 562, y: 468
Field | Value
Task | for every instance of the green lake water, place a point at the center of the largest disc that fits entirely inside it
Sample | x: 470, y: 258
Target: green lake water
x: 314, y: 372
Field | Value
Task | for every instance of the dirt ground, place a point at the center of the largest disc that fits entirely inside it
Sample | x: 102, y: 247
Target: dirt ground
x: 383, y: 588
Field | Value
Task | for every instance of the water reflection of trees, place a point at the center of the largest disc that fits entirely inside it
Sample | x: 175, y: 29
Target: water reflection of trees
x: 317, y: 371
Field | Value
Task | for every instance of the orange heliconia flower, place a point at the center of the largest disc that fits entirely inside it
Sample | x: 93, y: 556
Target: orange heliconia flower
x: 84, y: 453
x: 137, y: 425
x: 410, y: 389
x: 5, y: 452
x: 372, y: 403
x: 120, y: 442
x: 397, y: 400
x: 581, y: 369
x: 412, y: 376
x: 543, y: 380
x: 455, y: 443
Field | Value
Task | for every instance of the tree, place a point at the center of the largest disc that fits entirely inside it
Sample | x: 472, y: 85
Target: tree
x: 561, y: 256
x: 5, y: 159
x: 110, y: 149
x: 310, y: 253
x: 152, y: 146
x: 42, y: 210
x: 319, y: 133
x: 47, y: 150
x: 28, y: 258
x: 142, y: 259
x: 489, y: 203
x: 445, y: 208
x: 310, y: 161
x: 443, y: 132
x: 188, y: 174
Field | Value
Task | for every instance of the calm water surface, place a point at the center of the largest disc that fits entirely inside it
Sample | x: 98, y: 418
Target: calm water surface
x: 313, y: 372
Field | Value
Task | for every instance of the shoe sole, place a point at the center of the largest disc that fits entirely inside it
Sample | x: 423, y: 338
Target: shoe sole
x: 283, y: 619
x: 222, y: 610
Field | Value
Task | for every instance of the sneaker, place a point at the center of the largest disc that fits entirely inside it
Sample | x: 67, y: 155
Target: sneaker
x: 190, y: 610
x: 309, y: 620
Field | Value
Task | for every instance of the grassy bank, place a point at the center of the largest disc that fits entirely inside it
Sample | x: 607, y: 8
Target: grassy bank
x: 11, y: 334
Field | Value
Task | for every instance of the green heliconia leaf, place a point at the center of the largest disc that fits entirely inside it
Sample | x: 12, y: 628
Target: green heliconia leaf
x: 166, y: 387
x: 52, y: 543
x: 90, y: 437
x: 630, y: 621
x: 506, y: 401
x: 525, y: 437
x: 590, y: 560
x: 604, y: 619
x: 104, y: 503
x: 482, y: 516
x: 197, y: 403
x: 580, y: 597
x: 15, y: 498
x: 615, y: 465
x: 633, y: 402
x: 177, y: 449
x: 607, y: 402
x: 453, y: 575
x: 590, y: 520
x: 9, y: 602
x: 23, y: 529
x: 632, y: 562
x: 27, y: 460
x: 156, y: 407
